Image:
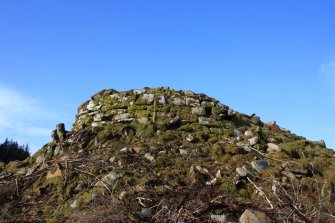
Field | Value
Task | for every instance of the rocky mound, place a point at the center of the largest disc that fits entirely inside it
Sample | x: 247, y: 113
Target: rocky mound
x: 161, y: 155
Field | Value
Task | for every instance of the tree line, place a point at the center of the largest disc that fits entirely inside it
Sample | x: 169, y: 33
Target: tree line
x: 10, y: 150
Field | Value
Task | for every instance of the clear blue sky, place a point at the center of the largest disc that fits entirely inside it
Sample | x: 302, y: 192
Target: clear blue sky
x: 272, y: 58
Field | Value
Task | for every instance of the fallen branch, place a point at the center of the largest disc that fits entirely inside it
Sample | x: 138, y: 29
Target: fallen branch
x: 261, y: 192
x: 265, y: 155
x: 5, y: 176
x: 103, y: 183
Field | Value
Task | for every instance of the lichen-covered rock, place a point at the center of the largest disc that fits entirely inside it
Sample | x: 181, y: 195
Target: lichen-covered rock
x: 248, y: 133
x: 253, y: 141
x: 200, y: 111
x: 254, y: 216
x: 260, y: 165
x: 109, y: 179
x: 59, y: 134
x: 40, y: 159
x: 161, y: 100
x: 178, y: 101
x: 192, y: 101
x: 242, y: 171
x: 143, y: 120
x: 204, y: 121
x: 149, y: 157
x: 272, y: 148
x: 139, y: 91
x: 148, y: 97
x: 219, y: 218
x: 126, y: 117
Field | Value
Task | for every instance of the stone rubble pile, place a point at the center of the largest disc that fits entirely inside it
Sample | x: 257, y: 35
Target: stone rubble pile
x: 161, y: 155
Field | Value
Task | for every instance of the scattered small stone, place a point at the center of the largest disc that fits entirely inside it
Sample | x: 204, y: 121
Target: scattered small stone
x: 231, y: 112
x: 137, y: 149
x: 289, y: 175
x: 198, y: 111
x: 63, y: 158
x: 78, y: 188
x: 145, y: 213
x: 208, y: 104
x: 211, y: 182
x: 31, y: 170
x: 248, y: 133
x: 285, y: 130
x: 242, y: 171
x: 149, y: 157
x: 148, y: 97
x: 247, y: 148
x: 272, y: 148
x: 253, y: 141
x: 119, y: 162
x: 90, y: 105
x: 124, y: 150
x: 190, y: 138
x: 116, y: 96
x: 21, y: 171
x: 57, y: 150
x: 178, y: 101
x: 174, y: 122
x: 204, y: 120
x: 40, y: 159
x: 109, y: 178
x: 192, y: 102
x: 188, y: 93
x: 139, y: 91
x: 95, y: 124
x: 219, y: 218
x: 125, y: 117
x: 112, y: 159
x: 74, y: 204
x: 163, y: 152
x: 98, y: 117
x: 161, y: 100
x: 182, y: 152
x: 238, y: 132
x: 260, y: 165
x: 254, y: 216
x: 218, y: 174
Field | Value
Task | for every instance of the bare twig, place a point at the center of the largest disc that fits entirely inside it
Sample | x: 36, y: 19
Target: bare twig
x: 103, y: 183
x: 265, y: 155
x: 261, y: 192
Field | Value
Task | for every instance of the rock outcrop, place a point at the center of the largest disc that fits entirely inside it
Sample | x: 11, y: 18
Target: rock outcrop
x: 161, y: 155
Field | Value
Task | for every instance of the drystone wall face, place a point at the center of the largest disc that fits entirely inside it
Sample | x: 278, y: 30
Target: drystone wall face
x: 146, y: 105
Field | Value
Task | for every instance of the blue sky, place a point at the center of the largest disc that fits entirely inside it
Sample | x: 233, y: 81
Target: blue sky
x: 272, y: 58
